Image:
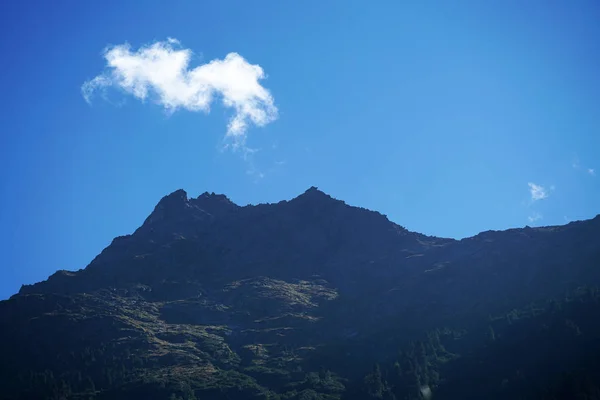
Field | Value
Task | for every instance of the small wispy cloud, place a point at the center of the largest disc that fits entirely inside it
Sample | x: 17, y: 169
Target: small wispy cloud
x: 577, y: 165
x: 538, y: 192
x: 161, y: 71
x: 260, y: 174
x: 534, y: 217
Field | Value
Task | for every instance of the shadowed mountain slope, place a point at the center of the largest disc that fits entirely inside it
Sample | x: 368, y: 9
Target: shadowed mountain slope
x: 296, y: 299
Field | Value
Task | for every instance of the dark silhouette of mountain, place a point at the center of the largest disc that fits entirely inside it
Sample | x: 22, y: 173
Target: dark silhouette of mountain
x: 309, y: 299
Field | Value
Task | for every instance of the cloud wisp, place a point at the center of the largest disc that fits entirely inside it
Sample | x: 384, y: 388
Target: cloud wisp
x: 577, y: 165
x: 161, y: 72
x: 537, y: 192
x: 534, y: 217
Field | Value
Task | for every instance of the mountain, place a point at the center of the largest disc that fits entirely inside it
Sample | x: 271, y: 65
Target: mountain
x: 309, y: 299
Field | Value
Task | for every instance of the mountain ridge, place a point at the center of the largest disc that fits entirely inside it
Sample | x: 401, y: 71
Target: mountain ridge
x: 316, y: 193
x: 207, y: 206
x: 262, y: 296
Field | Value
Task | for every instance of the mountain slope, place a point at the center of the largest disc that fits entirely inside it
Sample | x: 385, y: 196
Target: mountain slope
x: 297, y: 298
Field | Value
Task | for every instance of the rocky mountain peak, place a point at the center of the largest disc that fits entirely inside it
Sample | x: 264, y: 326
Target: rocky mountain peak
x: 314, y: 194
x: 214, y: 203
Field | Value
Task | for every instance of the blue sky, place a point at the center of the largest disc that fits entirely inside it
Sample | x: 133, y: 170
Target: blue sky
x: 450, y: 119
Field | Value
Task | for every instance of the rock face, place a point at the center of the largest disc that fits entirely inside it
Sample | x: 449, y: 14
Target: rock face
x: 208, y: 298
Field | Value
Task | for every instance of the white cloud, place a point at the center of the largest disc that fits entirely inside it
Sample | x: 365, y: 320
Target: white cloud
x: 161, y: 71
x: 535, y: 217
x: 577, y: 165
x: 537, y: 192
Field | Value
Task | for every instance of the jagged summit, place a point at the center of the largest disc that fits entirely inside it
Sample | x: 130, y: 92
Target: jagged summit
x: 314, y: 198
x: 314, y: 191
x: 213, y: 203
x: 314, y: 194
x: 176, y: 197
x: 180, y: 197
x: 213, y: 195
x: 169, y: 207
